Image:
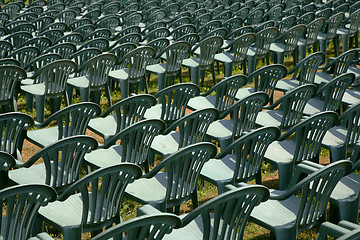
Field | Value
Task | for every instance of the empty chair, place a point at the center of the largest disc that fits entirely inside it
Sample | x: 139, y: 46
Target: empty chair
x: 303, y: 205
x: 178, y: 183
x: 286, y: 153
x: 62, y: 162
x: 174, y: 55
x: 66, y: 16
x: 80, y: 57
x: 74, y: 37
x: 18, y: 39
x: 70, y: 121
x: 95, y: 78
x: 93, y: 201
x: 10, y: 78
x: 289, y: 108
x: 187, y: 130
x: 197, y: 65
x: 5, y: 48
x: 223, y: 216
x: 303, y: 73
x: 121, y: 115
x: 64, y: 49
x: 241, y: 161
x: 135, y: 145
x: 172, y: 102
x: 344, y: 230
x: 243, y: 114
x: 306, y: 18
x: 52, y: 34
x: 49, y: 82
x: 42, y: 43
x: 237, y: 53
x: 328, y: 97
x: 265, y: 79
x: 25, y: 55
x: 351, y: 32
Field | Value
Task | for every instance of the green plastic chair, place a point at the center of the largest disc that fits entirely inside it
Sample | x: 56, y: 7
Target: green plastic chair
x: 178, y: 183
x: 224, y: 96
x: 134, y: 38
x: 243, y: 115
x: 306, y: 18
x: 78, y: 23
x: 62, y: 162
x: 344, y: 230
x: 25, y: 55
x: 312, y: 31
x: 4, y: 18
x: 42, y: 22
x: 75, y: 38
x: 99, y: 33
x: 241, y: 161
x: 133, y: 19
x: 264, y: 25
x: 286, y: 153
x: 151, y: 27
x: 71, y: 120
x: 187, y: 130
x: 172, y: 102
x: 209, y: 26
x: 303, y: 73
x: 18, y: 39
x: 13, y: 126
x: 93, y: 201
x: 56, y: 25
x: 5, y: 48
x: 10, y: 78
x: 325, y: 38
x: 20, y: 205
x: 350, y: 32
x: 335, y: 67
x: 95, y: 78
x: 159, y: 44
x: 237, y: 54
x: 233, y: 23
x: 7, y: 162
x: 289, y: 46
x: 66, y: 16
x: 100, y: 43
x: 42, y: 43
x: 286, y: 212
x: 192, y: 38
x: 286, y: 23
x: 49, y: 82
x: 197, y: 65
x: 120, y: 51
x: 85, y: 29
x: 80, y: 57
x: 137, y: 61
x: 264, y: 38
x: 183, y: 30
x: 110, y: 22
x: 134, y: 148
x: 27, y: 27
x: 121, y: 115
x: 342, y: 138
x: 328, y: 97
x: 181, y: 21
x: 52, y: 34
x: 265, y: 79
x: 64, y: 49
x: 289, y: 108
x: 255, y: 17
x: 12, y: 9
x: 223, y: 217
x: 9, y: 61
x: 174, y: 55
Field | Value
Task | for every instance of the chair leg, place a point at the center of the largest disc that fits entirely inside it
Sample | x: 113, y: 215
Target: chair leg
x: 108, y: 94
x: 124, y: 88
x: 84, y: 94
x: 96, y: 95
x: 228, y: 68
x: 29, y: 102
x: 195, y: 75
x: 337, y: 153
x: 72, y: 233
x: 285, y: 174
x: 55, y: 105
x: 213, y: 73
x: 40, y: 108
x: 161, y: 81
x: 345, y: 42
x: 70, y: 91
x: 344, y: 210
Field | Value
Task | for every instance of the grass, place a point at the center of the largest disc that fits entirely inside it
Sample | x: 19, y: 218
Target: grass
x: 206, y: 191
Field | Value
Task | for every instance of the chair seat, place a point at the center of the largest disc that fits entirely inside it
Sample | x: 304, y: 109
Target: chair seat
x: 347, y: 189
x: 269, y: 118
x: 157, y: 68
x: 34, y: 89
x: 224, y: 169
x: 251, y: 51
x: 105, y: 127
x: 286, y: 85
x: 354, y: 70
x: 28, y: 81
x: 34, y: 174
x: 120, y: 74
x: 202, y: 102
x: 277, y: 47
x: 82, y: 82
x: 62, y: 214
x: 165, y: 145
x: 282, y: 152
x: 244, y: 92
x: 225, y: 57
x: 221, y: 129
x: 191, y: 62
x: 148, y: 190
x: 104, y: 157
x: 43, y: 137
x: 351, y: 96
x: 272, y: 213
x: 335, y: 136
x: 313, y: 106
x: 322, y: 78
x: 154, y: 112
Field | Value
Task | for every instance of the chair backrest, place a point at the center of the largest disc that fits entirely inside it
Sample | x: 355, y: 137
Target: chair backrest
x: 10, y: 76
x: 350, y: 119
x: 306, y: 18
x: 292, y: 37
x: 120, y: 51
x: 342, y: 63
x: 19, y: 38
x: 240, y: 47
x: 12, y: 130
x: 148, y: 227
x: 245, y: 111
x: 159, y: 44
x: 40, y: 42
x: 312, y: 30
x: 64, y: 49
x: 175, y: 54
x: 191, y: 38
x: 193, y: 127
x: 183, y: 170
x: 264, y: 38
x: 293, y: 104
x: 208, y: 49
x: 332, y: 92
x: 174, y: 100
x: 333, y: 24
x: 315, y: 192
x: 255, y: 17
x: 42, y: 22
x: 74, y: 37
x: 306, y: 69
x: 136, y: 140
x: 19, y: 207
x: 309, y: 134
x: 100, y: 43
x: 137, y: 61
x: 102, y: 192
x: 82, y: 56
x: 5, y: 48
x: 74, y: 119
x: 97, y: 69
x: 63, y: 160
x: 354, y: 22
x: 66, y: 16
x: 130, y: 110
x: 99, y: 33
x: 265, y: 78
x: 54, y: 75
x: 225, y: 216
x: 183, y: 30
x: 109, y: 22
x: 52, y: 34
x: 25, y: 54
